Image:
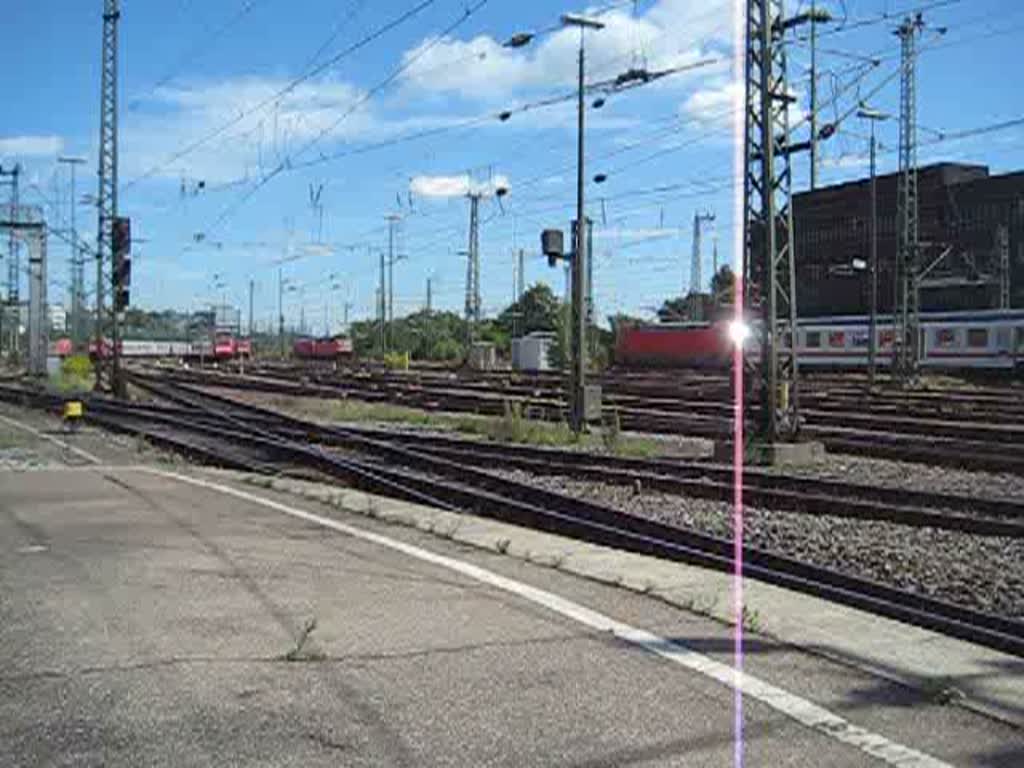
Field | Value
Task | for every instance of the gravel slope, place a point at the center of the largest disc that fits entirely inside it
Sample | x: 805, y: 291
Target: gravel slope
x: 985, y: 573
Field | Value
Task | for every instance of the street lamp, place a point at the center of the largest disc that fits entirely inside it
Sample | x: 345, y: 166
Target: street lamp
x: 873, y: 116
x: 579, y: 263
x: 578, y: 399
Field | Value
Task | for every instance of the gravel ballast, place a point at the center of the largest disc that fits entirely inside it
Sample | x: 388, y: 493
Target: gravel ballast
x: 985, y: 573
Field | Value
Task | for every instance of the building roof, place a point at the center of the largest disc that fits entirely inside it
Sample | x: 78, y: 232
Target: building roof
x: 950, y: 173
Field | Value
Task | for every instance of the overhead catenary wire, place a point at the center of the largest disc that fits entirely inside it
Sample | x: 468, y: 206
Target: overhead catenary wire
x: 291, y: 86
x: 285, y: 165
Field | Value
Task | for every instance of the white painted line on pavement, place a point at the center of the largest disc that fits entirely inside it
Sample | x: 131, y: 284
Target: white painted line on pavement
x: 803, y: 711
x: 84, y: 454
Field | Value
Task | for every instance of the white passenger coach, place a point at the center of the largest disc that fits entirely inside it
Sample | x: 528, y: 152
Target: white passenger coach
x: 949, y: 340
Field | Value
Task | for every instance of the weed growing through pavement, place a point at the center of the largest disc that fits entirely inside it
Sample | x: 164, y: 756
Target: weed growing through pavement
x: 299, y: 652
x: 751, y: 619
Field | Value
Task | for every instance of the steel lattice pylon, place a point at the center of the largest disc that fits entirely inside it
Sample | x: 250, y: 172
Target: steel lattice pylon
x: 769, y: 277
x: 13, y: 254
x: 907, y: 349
x: 107, y: 197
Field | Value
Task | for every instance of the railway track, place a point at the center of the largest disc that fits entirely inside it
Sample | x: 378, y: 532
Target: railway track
x: 969, y: 514
x: 941, y: 441
x: 245, y: 436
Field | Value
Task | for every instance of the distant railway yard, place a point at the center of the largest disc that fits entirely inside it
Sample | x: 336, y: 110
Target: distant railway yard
x: 955, y: 424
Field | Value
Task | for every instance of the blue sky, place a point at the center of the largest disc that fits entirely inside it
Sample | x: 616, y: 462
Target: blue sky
x: 407, y: 124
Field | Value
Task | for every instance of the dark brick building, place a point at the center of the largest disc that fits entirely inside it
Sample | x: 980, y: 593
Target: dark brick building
x: 961, y: 206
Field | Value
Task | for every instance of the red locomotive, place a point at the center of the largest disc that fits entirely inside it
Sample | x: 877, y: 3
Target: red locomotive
x: 675, y: 345
x: 328, y: 348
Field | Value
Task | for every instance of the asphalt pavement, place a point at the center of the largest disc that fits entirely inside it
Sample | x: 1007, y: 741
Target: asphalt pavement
x: 147, y: 621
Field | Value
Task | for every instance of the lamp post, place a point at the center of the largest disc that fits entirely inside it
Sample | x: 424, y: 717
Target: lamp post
x: 873, y: 116
x: 578, y: 371
x: 579, y: 263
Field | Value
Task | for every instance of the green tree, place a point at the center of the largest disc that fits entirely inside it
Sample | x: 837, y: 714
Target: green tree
x: 536, y: 310
x: 424, y: 335
x: 723, y: 285
x: 674, y: 310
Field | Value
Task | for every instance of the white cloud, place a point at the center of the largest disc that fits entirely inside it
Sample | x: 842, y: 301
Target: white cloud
x: 31, y: 146
x: 334, y: 113
x: 715, y: 105
x: 177, y: 117
x: 669, y: 34
x: 454, y: 186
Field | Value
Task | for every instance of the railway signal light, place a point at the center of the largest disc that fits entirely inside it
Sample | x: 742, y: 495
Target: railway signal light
x: 121, y: 240
x: 122, y: 283
x: 121, y: 235
x: 552, y: 244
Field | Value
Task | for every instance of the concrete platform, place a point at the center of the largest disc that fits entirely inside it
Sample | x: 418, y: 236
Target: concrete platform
x: 155, y: 619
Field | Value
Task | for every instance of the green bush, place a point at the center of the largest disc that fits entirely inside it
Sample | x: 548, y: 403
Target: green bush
x: 76, y: 366
x: 75, y: 374
x: 397, y: 361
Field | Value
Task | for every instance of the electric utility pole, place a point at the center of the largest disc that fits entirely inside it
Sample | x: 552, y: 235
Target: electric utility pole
x: 696, y: 259
x: 252, y: 288
x: 768, y: 221
x: 280, y: 309
x: 521, y: 285
x: 580, y: 400
x: 13, y: 260
x: 472, y: 308
x: 382, y: 309
x: 815, y: 17
x: 873, y: 116
x: 106, y: 199
x: 393, y: 220
x: 77, y: 278
x: 1003, y: 247
x: 906, y: 350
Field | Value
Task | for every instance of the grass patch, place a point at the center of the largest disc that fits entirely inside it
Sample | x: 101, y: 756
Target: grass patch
x: 511, y: 427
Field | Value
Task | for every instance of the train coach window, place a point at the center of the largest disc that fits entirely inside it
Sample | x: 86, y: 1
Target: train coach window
x: 812, y: 339
x: 945, y: 337
x: 977, y: 337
